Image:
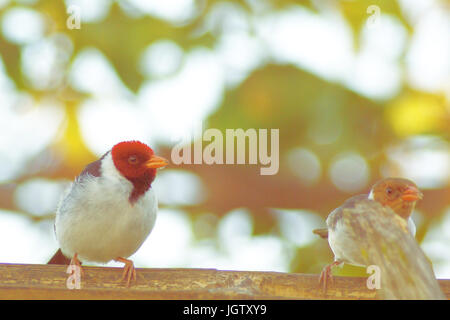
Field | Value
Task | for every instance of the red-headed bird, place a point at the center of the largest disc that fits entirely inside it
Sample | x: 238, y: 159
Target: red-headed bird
x: 376, y: 229
x: 110, y: 208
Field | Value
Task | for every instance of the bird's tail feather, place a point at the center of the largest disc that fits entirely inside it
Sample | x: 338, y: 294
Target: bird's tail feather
x: 323, y: 233
x: 59, y: 258
x: 382, y: 238
x: 407, y: 273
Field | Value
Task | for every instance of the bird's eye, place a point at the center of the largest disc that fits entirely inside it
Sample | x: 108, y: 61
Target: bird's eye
x: 389, y: 191
x: 132, y: 160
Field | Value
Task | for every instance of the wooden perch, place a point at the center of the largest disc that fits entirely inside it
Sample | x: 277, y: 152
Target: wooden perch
x: 49, y: 282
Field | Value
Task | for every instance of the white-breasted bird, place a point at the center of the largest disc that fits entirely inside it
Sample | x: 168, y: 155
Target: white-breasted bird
x: 376, y: 230
x: 110, y: 209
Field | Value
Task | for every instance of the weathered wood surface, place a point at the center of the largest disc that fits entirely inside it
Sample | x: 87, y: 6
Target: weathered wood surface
x: 49, y: 282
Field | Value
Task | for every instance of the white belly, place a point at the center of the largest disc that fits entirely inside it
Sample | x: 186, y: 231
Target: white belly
x: 343, y: 245
x: 96, y: 220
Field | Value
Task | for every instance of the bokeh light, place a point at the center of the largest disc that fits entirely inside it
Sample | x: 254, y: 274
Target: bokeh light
x: 353, y: 102
x: 161, y: 59
x: 305, y: 164
x: 31, y: 25
x: 349, y: 172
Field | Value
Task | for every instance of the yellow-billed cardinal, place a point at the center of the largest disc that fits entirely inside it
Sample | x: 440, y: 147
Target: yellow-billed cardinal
x: 374, y: 230
x: 110, y: 208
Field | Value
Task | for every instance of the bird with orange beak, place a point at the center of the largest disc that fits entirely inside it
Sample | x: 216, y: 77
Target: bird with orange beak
x: 110, y: 208
x: 376, y: 229
x: 399, y: 194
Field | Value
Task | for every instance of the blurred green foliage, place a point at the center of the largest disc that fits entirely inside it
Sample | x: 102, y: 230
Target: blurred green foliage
x: 272, y: 96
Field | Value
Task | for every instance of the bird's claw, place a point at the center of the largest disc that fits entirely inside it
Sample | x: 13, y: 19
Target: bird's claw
x: 326, y: 275
x: 75, y: 262
x: 129, y: 272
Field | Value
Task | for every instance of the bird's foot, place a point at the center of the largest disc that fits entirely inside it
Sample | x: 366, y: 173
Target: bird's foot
x: 326, y: 275
x: 129, y: 272
x: 77, y: 263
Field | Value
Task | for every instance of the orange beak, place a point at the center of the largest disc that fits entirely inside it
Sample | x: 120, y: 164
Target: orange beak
x: 412, y: 194
x: 156, y: 162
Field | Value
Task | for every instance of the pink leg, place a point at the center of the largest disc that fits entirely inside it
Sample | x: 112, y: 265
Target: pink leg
x: 75, y: 262
x: 326, y: 275
x: 129, y: 272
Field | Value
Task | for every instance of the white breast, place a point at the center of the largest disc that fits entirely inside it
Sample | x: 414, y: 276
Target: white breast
x: 342, y: 244
x: 412, y: 226
x: 96, y: 220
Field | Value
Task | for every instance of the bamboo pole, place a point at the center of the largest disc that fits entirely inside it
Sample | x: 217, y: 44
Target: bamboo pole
x: 21, y: 281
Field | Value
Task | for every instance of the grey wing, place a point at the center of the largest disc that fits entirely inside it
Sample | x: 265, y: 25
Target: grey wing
x: 93, y: 169
x: 381, y: 238
x: 336, y: 214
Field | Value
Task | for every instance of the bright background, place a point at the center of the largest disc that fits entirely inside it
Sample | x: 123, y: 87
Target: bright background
x: 357, y: 96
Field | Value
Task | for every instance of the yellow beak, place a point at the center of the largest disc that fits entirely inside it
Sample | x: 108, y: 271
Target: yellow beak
x: 412, y: 194
x: 156, y: 162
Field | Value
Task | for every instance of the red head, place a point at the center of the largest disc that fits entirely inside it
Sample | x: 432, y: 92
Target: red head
x: 137, y: 162
x: 397, y: 193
